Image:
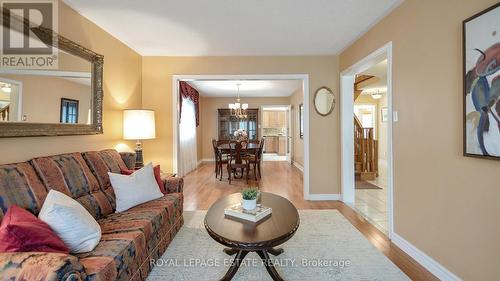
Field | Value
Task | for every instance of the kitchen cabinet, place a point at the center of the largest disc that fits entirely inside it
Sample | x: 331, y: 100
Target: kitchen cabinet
x: 274, y: 119
x: 271, y: 144
x: 282, y: 145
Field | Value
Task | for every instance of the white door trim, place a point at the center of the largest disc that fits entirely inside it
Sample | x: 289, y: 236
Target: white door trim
x: 305, y: 86
x: 347, y: 127
x: 19, y: 85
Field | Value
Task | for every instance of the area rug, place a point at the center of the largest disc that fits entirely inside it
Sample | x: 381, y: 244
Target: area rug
x: 365, y: 185
x: 325, y: 247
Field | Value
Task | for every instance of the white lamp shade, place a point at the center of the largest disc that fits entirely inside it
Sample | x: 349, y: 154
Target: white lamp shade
x: 138, y: 124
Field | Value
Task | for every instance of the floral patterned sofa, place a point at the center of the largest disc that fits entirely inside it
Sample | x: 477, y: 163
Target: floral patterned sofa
x: 130, y: 239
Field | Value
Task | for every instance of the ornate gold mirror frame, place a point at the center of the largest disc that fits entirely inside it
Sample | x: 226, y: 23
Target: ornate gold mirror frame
x: 20, y: 129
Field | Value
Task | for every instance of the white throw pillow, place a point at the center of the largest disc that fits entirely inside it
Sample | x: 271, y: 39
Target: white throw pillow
x: 139, y: 187
x: 71, y: 222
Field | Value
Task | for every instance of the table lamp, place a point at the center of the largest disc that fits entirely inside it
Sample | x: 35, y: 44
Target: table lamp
x: 138, y: 125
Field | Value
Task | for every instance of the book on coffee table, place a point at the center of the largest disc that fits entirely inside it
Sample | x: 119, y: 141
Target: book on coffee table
x: 255, y: 215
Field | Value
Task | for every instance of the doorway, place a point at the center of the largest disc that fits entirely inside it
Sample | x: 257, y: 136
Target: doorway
x: 302, y: 78
x: 367, y: 176
x: 276, y: 130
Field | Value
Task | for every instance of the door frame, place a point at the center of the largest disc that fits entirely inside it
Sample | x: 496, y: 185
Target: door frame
x: 347, y: 78
x: 19, y: 85
x: 175, y: 110
x: 288, y: 114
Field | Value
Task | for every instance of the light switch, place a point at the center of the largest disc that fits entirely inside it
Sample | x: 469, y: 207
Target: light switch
x: 395, y: 117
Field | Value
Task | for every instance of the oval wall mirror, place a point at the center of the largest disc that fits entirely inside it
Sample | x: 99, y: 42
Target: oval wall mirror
x: 324, y: 101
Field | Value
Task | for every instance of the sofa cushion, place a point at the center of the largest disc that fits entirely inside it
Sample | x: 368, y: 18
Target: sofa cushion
x: 69, y: 174
x: 129, y: 158
x: 20, y: 185
x: 102, y: 162
x: 40, y: 266
x: 155, y: 219
x: 118, y: 256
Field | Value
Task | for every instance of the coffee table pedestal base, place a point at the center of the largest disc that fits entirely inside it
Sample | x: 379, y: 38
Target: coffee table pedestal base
x: 263, y: 254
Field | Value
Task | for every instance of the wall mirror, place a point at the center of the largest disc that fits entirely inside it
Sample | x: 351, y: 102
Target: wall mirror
x: 66, y: 100
x: 324, y: 101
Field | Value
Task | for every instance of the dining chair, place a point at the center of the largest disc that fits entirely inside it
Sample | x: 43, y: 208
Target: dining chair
x: 255, y: 159
x: 221, y: 158
x: 216, y: 156
x: 235, y: 160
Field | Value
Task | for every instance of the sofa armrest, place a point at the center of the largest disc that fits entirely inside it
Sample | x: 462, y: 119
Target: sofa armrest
x: 40, y: 266
x: 172, y: 184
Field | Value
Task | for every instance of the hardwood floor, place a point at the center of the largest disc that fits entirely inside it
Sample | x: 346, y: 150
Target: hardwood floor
x: 202, y: 189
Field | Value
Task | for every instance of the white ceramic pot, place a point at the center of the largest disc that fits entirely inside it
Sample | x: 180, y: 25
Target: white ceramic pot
x: 249, y: 204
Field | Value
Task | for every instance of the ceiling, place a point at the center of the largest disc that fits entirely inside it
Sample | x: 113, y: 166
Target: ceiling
x: 237, y: 27
x: 380, y: 71
x: 248, y: 88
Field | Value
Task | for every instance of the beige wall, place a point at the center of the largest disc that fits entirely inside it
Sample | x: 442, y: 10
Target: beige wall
x: 208, y: 117
x: 298, y: 144
x: 323, y: 71
x: 42, y: 104
x: 382, y: 129
x: 445, y: 204
x: 122, y: 89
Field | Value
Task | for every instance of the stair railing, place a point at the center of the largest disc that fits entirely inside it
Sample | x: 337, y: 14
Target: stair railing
x: 365, y: 149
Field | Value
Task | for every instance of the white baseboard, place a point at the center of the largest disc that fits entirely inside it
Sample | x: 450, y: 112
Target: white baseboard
x: 321, y: 197
x: 423, y: 259
x: 298, y: 166
x: 204, y: 160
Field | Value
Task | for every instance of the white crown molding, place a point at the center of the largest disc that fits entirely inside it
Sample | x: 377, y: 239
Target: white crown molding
x: 423, y: 259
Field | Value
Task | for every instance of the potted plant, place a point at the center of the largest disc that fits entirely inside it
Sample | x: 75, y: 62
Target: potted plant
x: 249, y: 198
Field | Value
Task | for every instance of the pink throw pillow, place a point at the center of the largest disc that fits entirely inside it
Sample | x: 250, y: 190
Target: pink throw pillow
x: 21, y: 231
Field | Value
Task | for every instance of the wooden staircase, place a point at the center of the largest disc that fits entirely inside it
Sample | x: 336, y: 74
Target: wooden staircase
x: 365, y: 152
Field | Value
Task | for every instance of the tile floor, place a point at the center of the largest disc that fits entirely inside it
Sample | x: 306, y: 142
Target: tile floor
x: 273, y: 157
x: 372, y: 203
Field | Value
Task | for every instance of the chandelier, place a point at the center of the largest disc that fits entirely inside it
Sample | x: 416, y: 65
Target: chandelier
x: 238, y: 109
x: 376, y: 95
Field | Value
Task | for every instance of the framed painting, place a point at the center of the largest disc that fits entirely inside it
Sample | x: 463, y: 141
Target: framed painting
x: 481, y: 84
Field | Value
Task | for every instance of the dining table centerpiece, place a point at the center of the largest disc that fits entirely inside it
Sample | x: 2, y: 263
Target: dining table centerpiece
x: 241, y: 135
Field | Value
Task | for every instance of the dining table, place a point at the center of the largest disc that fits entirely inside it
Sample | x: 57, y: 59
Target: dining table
x: 226, y: 148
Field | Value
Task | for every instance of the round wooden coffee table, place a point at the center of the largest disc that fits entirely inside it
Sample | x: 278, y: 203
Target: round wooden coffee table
x: 243, y: 237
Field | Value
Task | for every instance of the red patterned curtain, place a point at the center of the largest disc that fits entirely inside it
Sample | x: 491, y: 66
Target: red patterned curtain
x: 188, y: 92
